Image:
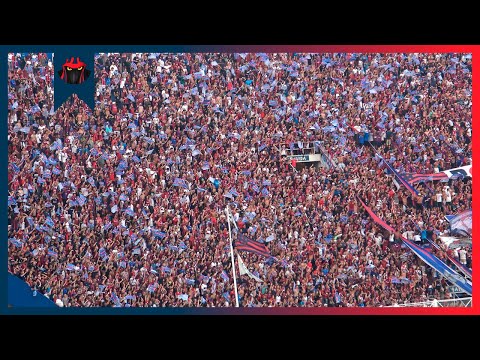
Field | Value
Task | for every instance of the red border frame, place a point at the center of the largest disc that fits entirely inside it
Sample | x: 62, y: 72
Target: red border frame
x: 473, y: 310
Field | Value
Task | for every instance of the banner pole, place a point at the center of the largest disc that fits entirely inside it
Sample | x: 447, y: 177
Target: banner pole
x: 232, y: 257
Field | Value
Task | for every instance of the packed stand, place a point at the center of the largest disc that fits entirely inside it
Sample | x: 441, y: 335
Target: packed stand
x: 125, y: 206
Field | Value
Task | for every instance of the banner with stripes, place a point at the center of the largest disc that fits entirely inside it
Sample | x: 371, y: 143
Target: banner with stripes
x: 460, y: 172
x: 243, y: 243
x: 427, y: 257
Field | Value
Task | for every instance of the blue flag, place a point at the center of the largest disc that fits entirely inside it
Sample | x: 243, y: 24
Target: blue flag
x: 103, y: 253
x: 16, y: 242
x: 15, y: 168
x: 49, y: 221
x: 115, y: 299
x: 158, y: 233
x: 51, y: 253
x: 180, y: 182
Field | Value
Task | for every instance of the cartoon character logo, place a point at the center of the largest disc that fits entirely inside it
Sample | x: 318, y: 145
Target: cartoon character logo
x: 74, y: 73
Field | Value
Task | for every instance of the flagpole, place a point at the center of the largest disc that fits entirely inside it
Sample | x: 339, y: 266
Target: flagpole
x: 231, y: 253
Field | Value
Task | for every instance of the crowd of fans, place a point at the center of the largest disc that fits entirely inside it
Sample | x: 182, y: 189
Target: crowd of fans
x: 124, y: 204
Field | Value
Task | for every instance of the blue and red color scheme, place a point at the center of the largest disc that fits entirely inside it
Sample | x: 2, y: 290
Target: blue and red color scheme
x: 473, y: 49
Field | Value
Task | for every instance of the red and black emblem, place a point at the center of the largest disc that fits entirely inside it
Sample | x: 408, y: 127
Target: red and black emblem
x: 74, y: 73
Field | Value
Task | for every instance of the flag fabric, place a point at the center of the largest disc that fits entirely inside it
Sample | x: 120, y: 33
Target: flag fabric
x: 270, y: 238
x: 81, y: 200
x: 16, y: 242
x: 180, y: 182
x: 173, y: 247
x: 243, y: 270
x: 462, y: 171
x: 461, y: 224
x: 376, y: 218
x: 15, y: 168
x: 115, y: 299
x: 49, y: 222
x: 12, y: 201
x: 427, y: 257
x: 158, y: 234
x: 136, y: 159
x: 401, y: 179
x: 414, y: 178
x: 245, y: 244
x: 224, y: 275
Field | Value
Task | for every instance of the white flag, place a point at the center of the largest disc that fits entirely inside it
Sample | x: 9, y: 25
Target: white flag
x: 243, y: 270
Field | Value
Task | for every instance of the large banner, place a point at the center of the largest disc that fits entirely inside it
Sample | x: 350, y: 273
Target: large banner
x: 461, y: 224
x: 460, y: 172
x: 453, y: 242
x: 427, y: 257
x: 437, y: 264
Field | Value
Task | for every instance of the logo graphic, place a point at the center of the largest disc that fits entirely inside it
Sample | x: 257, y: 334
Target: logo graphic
x: 74, y: 73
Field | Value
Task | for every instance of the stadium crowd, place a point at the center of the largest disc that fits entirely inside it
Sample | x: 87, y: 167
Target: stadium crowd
x: 124, y: 204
